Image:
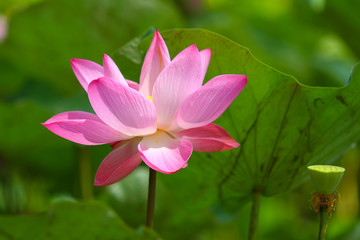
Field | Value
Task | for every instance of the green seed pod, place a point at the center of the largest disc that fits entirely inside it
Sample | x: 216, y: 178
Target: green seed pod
x: 326, y: 178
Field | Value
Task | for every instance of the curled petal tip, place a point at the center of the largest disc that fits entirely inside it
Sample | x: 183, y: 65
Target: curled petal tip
x: 46, y: 124
x: 76, y: 60
x: 101, y: 183
x: 157, y: 35
x: 193, y: 47
x: 86, y: 71
x: 245, y: 78
x: 97, y: 80
x: 97, y: 183
x: 207, y: 50
x: 235, y: 145
x: 72, y: 61
x: 105, y: 58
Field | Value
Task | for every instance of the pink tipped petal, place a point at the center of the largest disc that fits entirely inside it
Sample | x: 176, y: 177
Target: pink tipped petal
x: 205, y: 60
x: 208, y: 138
x: 84, y: 128
x: 155, y: 60
x: 112, y: 71
x: 86, y: 71
x: 178, y: 80
x: 133, y: 85
x: 164, y: 153
x: 210, y: 101
x: 118, y: 164
x: 122, y: 108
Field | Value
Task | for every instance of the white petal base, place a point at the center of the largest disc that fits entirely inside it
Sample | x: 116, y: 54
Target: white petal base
x: 164, y: 153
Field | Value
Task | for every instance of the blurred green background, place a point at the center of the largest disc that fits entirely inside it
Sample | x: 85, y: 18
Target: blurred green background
x: 317, y: 41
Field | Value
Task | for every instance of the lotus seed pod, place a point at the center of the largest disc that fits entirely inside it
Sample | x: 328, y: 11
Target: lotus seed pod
x: 326, y: 178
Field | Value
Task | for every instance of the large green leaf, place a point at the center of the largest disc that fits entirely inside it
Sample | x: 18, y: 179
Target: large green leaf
x: 282, y: 125
x: 70, y: 220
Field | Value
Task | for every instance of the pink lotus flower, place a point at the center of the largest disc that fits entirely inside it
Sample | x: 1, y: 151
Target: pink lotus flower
x: 161, y: 121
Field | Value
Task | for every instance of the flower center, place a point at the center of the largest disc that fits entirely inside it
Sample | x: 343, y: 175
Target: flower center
x: 150, y: 97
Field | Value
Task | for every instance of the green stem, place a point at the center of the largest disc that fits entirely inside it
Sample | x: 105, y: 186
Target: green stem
x: 254, y: 217
x: 85, y: 173
x: 323, y: 222
x: 151, y: 199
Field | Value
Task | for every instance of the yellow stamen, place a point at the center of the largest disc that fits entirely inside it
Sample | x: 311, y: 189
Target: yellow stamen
x: 150, y: 97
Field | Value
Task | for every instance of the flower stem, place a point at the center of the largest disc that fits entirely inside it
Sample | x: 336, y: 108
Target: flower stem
x: 254, y: 217
x: 323, y: 222
x: 151, y: 199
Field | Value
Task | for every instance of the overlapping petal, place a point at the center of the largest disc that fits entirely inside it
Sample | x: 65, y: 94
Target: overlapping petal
x: 84, y: 128
x: 112, y: 71
x: 207, y: 103
x: 133, y: 85
x: 86, y: 71
x: 163, y: 153
x: 208, y: 138
x: 118, y: 164
x: 122, y: 107
x: 178, y: 80
x: 156, y: 59
x: 205, y: 60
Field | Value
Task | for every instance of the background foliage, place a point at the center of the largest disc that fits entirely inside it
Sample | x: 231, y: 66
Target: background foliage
x: 40, y: 173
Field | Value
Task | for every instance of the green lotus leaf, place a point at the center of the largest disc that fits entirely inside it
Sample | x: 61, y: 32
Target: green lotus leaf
x: 282, y: 125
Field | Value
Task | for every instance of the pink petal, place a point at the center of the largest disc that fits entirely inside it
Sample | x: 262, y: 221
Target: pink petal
x: 133, y: 85
x: 156, y: 59
x: 122, y: 108
x: 164, y: 153
x: 84, y: 128
x: 205, y: 60
x: 178, y: 80
x: 86, y: 71
x: 210, y: 101
x: 208, y: 138
x: 117, y: 144
x: 118, y: 164
x: 111, y: 70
